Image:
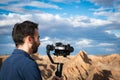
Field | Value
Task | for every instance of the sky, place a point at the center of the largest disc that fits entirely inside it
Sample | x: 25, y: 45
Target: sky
x: 89, y: 25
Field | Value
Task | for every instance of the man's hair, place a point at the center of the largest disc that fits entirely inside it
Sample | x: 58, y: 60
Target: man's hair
x: 21, y: 30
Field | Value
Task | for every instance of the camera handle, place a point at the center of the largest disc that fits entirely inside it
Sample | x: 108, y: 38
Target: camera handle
x: 48, y: 53
x: 59, y: 65
x: 59, y: 70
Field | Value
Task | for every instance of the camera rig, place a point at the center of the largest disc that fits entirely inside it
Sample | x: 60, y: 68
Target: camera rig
x: 59, y: 50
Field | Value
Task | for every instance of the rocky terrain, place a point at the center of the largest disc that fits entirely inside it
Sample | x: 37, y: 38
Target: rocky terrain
x: 81, y: 66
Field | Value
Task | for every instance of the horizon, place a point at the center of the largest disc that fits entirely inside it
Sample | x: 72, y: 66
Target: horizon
x: 71, y: 54
x: 89, y: 25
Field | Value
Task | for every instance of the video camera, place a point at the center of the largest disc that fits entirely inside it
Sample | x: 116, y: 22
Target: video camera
x: 60, y: 49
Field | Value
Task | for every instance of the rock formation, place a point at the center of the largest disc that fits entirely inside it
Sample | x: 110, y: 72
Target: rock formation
x: 81, y: 66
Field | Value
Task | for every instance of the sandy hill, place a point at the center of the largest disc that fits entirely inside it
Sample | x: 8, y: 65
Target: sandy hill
x: 81, y: 66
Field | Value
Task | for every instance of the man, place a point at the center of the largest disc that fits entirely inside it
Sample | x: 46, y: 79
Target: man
x: 20, y: 66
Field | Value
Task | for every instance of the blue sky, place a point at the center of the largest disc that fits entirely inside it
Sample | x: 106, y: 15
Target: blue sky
x: 89, y: 25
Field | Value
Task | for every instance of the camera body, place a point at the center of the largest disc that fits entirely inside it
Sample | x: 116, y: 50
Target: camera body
x: 60, y: 49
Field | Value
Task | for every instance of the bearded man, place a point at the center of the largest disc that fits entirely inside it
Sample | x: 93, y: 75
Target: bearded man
x: 20, y: 66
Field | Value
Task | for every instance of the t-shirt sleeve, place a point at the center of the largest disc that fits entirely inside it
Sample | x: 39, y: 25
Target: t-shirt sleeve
x: 32, y: 72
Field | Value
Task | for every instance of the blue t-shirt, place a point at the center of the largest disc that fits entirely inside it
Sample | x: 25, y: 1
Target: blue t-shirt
x: 20, y: 66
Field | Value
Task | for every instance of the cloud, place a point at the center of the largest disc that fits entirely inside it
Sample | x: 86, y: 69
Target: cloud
x: 109, y: 3
x: 83, y: 43
x: 42, y: 5
x: 108, y: 31
x: 44, y: 20
x: 82, y: 24
x: 5, y: 1
x: 109, y: 10
x: 36, y: 4
x: 105, y: 44
x: 62, y: 26
x: 115, y: 32
x: 48, y: 40
x: 117, y: 35
x: 23, y: 7
x: 84, y: 21
x: 12, y: 18
x: 45, y: 39
x: 110, y: 16
x: 110, y: 50
x: 78, y: 43
x: 66, y: 1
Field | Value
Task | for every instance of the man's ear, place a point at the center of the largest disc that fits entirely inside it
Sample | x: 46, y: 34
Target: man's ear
x: 29, y: 39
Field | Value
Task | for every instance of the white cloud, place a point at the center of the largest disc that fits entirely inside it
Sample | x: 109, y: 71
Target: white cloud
x: 114, y: 17
x: 101, y: 9
x: 117, y: 35
x: 115, y: 32
x: 47, y: 40
x: 105, y: 44
x: 42, y: 5
x: 109, y: 50
x: 18, y: 7
x: 84, y: 21
x: 111, y: 13
x: 13, y: 18
x: 50, y: 18
x: 102, y: 13
x: 108, y: 31
x: 66, y: 1
x: 83, y: 43
x: 46, y: 20
x: 109, y: 3
x: 36, y: 4
x: 111, y: 16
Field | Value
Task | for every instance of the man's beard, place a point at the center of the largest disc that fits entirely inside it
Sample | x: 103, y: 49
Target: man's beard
x: 35, y: 47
